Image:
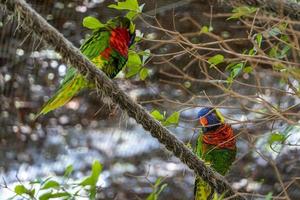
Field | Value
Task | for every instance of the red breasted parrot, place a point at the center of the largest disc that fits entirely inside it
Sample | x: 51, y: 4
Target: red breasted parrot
x: 216, y: 145
x: 107, y: 48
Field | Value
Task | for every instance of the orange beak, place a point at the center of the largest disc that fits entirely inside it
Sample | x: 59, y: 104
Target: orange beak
x: 203, y: 121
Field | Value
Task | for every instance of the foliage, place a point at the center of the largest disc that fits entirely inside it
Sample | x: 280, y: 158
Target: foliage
x: 131, y: 5
x: 241, y: 11
x: 92, y: 23
x: 173, y: 119
x: 60, y: 187
x: 135, y: 64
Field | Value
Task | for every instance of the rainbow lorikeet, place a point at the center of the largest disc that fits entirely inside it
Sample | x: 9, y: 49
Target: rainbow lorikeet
x: 107, y: 48
x: 216, y: 145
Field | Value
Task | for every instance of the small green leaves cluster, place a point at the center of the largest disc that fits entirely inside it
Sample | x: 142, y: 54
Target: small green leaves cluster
x: 280, y: 49
x: 173, y: 119
x: 50, y: 188
x: 241, y: 11
x: 236, y: 68
x: 135, y: 64
x: 131, y: 5
x: 206, y: 29
x: 157, y: 188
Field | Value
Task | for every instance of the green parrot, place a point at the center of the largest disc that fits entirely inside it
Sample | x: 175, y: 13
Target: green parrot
x: 107, y: 48
x: 216, y: 145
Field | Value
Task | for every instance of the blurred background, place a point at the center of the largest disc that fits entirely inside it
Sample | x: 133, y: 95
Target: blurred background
x: 261, y: 103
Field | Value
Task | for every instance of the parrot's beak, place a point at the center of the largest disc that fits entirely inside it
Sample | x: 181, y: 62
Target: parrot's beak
x: 203, y: 121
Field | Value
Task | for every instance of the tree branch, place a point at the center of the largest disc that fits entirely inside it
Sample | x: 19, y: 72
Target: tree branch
x: 33, y: 21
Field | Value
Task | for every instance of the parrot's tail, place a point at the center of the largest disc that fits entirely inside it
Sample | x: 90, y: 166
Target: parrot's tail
x: 202, y: 190
x: 64, y: 94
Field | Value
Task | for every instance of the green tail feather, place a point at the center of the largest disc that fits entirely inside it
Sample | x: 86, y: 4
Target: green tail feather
x: 202, y: 190
x: 65, y: 93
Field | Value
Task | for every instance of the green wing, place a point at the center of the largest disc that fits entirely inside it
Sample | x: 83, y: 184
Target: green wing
x: 220, y: 159
x: 74, y: 82
x: 95, y: 44
x: 91, y: 48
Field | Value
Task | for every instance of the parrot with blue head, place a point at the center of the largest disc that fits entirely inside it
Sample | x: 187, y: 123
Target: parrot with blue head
x: 216, y: 145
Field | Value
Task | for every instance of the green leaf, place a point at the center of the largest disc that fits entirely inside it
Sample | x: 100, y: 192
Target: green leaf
x: 235, y: 69
x: 235, y: 72
x: 46, y: 196
x: 50, y: 184
x: 92, y: 23
x: 93, y: 178
x: 131, y: 5
x: 252, y: 52
x: 131, y: 27
x: 204, y: 29
x: 86, y: 181
x: 131, y: 15
x: 242, y: 11
x: 68, y: 171
x: 269, y: 196
x: 144, y: 73
x: 21, y: 189
x: 60, y: 194
x: 248, y: 69
x: 161, y: 188
x: 51, y: 195
x: 96, y: 170
x: 259, y: 39
x: 157, y: 115
x: 172, y: 119
x: 276, y: 137
x: 217, y: 59
x: 133, y: 65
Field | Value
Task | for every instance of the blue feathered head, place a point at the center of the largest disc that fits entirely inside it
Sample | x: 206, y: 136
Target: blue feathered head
x: 210, y: 118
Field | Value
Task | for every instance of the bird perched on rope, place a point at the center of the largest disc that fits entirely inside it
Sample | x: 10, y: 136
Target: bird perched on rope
x: 107, y: 48
x: 216, y: 145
